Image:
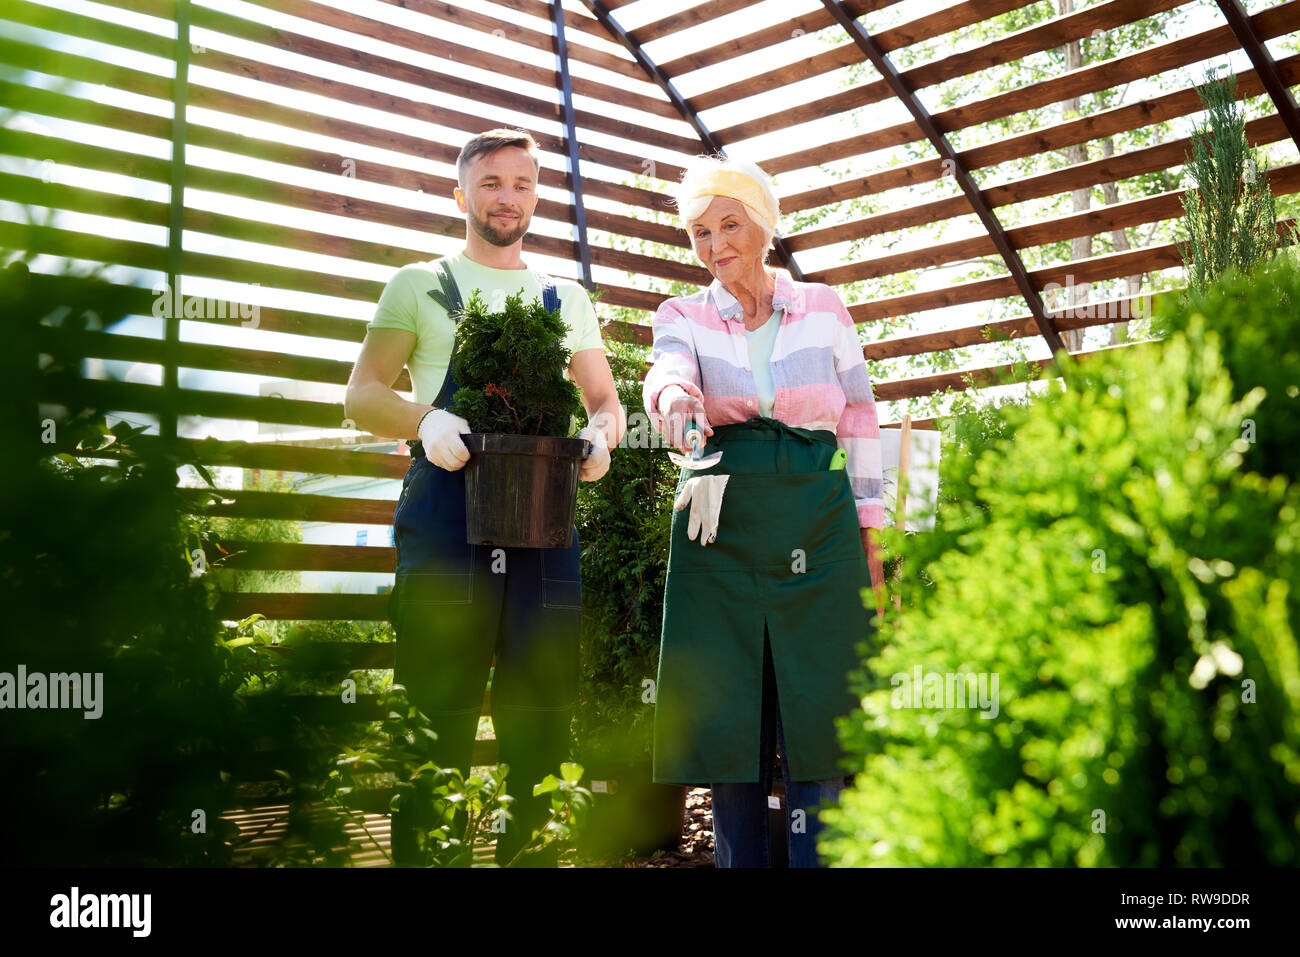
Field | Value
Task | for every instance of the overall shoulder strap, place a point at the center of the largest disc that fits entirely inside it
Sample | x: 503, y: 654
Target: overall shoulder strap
x: 448, y: 294
x: 550, y: 294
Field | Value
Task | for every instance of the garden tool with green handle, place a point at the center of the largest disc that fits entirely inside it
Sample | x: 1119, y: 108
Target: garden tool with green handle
x: 694, y: 461
x: 703, y: 492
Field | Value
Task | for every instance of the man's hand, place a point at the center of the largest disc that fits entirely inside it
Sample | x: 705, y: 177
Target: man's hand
x: 596, y: 463
x: 440, y: 433
x: 876, y: 565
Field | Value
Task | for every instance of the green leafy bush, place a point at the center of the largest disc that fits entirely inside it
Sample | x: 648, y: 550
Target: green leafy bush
x: 1110, y: 558
x: 510, y: 367
x: 624, y: 524
x: 463, y: 813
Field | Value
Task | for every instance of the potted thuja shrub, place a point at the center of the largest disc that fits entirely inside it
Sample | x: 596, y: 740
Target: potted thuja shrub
x: 521, y: 481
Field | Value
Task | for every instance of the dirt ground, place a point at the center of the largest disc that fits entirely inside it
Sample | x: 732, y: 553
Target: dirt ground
x: 697, y: 840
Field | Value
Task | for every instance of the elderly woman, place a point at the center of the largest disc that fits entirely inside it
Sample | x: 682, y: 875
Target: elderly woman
x: 761, y: 624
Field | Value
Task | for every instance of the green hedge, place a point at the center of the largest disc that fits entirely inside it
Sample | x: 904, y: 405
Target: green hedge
x: 1110, y: 554
x: 624, y: 523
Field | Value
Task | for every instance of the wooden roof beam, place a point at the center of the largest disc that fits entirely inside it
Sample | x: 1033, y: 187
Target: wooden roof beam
x: 1266, y: 68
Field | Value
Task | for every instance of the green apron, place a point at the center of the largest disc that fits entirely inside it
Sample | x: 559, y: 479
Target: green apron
x: 788, y: 560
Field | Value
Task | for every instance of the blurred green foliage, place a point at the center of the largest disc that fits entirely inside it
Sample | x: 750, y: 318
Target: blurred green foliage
x: 101, y: 573
x: 1122, y: 555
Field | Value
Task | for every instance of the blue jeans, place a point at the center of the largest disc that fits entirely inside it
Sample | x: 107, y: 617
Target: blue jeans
x: 740, y: 831
x: 457, y: 608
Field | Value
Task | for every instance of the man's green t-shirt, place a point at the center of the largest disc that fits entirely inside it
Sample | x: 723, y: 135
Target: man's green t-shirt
x: 406, y: 304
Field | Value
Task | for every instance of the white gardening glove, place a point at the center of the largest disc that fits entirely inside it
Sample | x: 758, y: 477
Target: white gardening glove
x: 596, y: 463
x: 440, y: 433
x: 704, y: 494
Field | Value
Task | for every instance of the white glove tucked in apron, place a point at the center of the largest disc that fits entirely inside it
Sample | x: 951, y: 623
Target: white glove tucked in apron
x: 704, y: 494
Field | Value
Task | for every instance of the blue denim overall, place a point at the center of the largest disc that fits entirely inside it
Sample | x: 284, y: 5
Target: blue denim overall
x: 458, y: 607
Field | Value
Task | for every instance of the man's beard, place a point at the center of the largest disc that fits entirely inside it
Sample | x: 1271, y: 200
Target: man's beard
x: 495, y: 236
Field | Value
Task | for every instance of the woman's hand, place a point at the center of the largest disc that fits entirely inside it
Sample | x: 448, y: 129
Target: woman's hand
x: 875, y: 563
x: 683, y: 409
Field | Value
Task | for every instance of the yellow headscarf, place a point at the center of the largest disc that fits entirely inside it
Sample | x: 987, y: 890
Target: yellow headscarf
x: 737, y: 186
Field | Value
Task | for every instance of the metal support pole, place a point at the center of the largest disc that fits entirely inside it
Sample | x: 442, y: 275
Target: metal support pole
x: 571, y: 134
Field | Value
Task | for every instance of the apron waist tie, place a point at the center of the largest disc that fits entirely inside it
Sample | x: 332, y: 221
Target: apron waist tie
x: 766, y: 429
x: 770, y: 430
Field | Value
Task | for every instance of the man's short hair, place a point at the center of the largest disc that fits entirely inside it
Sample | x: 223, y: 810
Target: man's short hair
x: 487, y: 143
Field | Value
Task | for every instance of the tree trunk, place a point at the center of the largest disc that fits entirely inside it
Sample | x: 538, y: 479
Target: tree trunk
x: 1119, y: 238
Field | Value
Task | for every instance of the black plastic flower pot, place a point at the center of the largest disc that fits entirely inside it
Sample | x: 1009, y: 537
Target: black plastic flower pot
x: 522, y: 490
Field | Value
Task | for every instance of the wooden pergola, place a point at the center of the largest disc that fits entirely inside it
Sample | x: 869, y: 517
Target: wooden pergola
x: 343, y: 125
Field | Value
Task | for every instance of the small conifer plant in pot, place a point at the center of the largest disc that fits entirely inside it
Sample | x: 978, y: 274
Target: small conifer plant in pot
x: 521, y: 482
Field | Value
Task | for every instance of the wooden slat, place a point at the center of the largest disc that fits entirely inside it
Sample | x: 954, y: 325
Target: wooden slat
x: 336, y: 655
x: 922, y: 386
x: 278, y: 457
x: 37, y: 145
x: 1092, y: 270
x: 1015, y: 46
x: 57, y: 242
x: 991, y: 376
x: 1083, y: 317
x: 294, y: 556
x: 105, y: 31
x: 315, y: 48
x: 1108, y: 169
x: 1097, y: 268
x: 513, y: 31
x: 766, y: 37
x: 905, y: 34
x: 1091, y: 222
x: 236, y: 606
x: 684, y: 19
x: 190, y: 355
x: 245, y: 503
x: 88, y: 70
x: 1270, y: 23
x: 365, y: 61
x: 99, y: 158
x: 133, y: 397
x: 137, y: 300
x: 433, y: 45
x: 572, y: 21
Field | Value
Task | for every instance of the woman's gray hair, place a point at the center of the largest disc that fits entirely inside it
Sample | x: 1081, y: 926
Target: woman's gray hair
x: 691, y: 207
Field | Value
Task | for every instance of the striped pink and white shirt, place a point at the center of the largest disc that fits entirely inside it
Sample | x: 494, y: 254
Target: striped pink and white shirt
x: 817, y: 367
